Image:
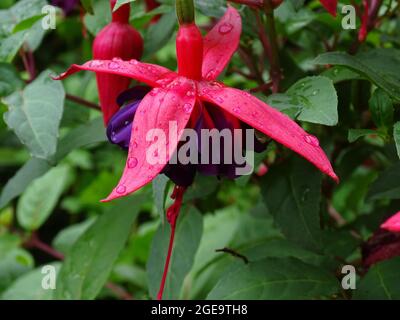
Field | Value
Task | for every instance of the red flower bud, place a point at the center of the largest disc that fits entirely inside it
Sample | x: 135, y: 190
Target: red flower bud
x: 116, y: 40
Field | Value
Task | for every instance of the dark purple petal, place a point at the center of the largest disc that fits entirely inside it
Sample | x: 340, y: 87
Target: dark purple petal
x: 67, y: 5
x: 120, y: 126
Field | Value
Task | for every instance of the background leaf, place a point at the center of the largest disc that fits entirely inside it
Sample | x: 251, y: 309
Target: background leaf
x: 35, y: 114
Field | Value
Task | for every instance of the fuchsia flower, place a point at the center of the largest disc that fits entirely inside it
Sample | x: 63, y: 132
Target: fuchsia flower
x: 177, y: 96
x: 184, y: 98
x: 393, y: 223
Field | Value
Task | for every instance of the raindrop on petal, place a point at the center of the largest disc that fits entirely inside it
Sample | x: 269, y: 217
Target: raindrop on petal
x: 133, y: 61
x: 96, y: 63
x: 132, y: 162
x: 121, y: 189
x: 225, y: 28
x: 113, y: 65
x: 187, y: 107
x: 310, y: 139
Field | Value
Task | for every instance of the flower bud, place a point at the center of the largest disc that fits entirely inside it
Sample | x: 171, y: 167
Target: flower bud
x: 117, y: 40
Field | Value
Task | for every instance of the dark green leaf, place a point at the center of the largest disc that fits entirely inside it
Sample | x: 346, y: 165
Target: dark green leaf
x: 381, y: 66
x: 382, y: 282
x: 355, y: 134
x: 381, y: 107
x: 387, y: 185
x: 273, y: 279
x: 88, y: 265
x: 292, y: 194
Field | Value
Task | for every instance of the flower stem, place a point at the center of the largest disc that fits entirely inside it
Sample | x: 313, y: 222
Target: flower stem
x: 172, y: 217
x: 83, y: 102
x: 275, y: 71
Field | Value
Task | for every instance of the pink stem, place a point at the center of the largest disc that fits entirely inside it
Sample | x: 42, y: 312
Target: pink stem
x: 172, y: 217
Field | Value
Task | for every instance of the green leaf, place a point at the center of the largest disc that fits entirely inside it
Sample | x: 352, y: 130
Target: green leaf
x: 9, y: 79
x: 387, y: 185
x: 381, y: 107
x: 14, y: 261
x: 292, y: 194
x: 9, y: 47
x: 29, y: 286
x: 355, y: 134
x: 31, y: 170
x: 187, y: 238
x: 10, y: 18
x: 338, y: 74
x: 396, y: 136
x: 274, y: 279
x: 35, y: 113
x: 311, y: 99
x: 41, y: 197
x: 160, y: 189
x: 382, y: 282
x: 215, y: 8
x: 84, y: 135
x: 66, y: 238
x: 88, y: 5
x: 88, y: 265
x: 27, y: 23
x: 100, y: 18
x: 120, y: 3
x: 380, y: 66
x: 158, y: 34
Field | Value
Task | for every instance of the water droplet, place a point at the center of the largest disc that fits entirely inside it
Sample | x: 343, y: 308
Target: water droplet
x: 154, y: 92
x: 96, y: 63
x: 315, y: 92
x: 113, y: 65
x: 155, y: 153
x: 225, y: 28
x: 126, y: 123
x: 134, y: 144
x: 335, y: 71
x: 190, y: 93
x: 133, y: 61
x: 121, y: 189
x: 310, y: 139
x: 236, y: 109
x: 211, y: 74
x: 116, y: 59
x: 132, y: 162
x: 219, y: 99
x: 254, y: 114
x: 187, y: 107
